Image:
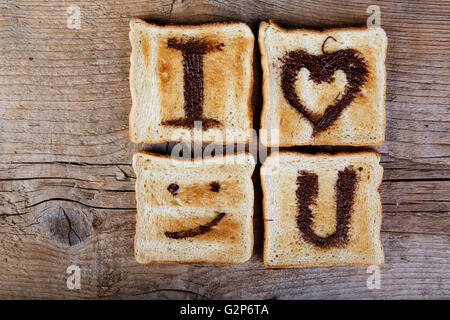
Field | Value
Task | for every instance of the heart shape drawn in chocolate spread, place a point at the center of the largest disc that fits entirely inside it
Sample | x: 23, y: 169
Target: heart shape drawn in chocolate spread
x: 322, y: 68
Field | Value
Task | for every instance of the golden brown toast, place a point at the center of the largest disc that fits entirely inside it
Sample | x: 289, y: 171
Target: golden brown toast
x: 183, y: 75
x: 323, y: 88
x: 194, y: 211
x: 322, y: 209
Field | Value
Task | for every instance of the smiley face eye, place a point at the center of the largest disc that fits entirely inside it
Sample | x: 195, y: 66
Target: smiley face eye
x: 173, y: 188
x: 214, y: 186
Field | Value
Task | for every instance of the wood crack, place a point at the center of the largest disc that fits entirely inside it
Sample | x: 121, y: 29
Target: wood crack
x: 79, y: 202
x: 417, y: 180
x: 175, y: 290
x: 171, y: 8
x: 71, y: 229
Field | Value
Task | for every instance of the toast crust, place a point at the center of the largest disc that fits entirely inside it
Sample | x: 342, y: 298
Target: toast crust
x: 242, y: 130
x: 267, y: 264
x: 267, y: 103
x: 142, y: 259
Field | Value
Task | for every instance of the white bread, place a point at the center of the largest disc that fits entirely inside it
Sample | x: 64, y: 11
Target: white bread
x: 284, y: 194
x: 216, y: 193
x: 361, y: 121
x: 157, y: 82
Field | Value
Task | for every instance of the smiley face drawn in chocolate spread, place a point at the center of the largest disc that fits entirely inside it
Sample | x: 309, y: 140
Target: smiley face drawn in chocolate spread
x: 306, y: 194
x: 321, y: 68
x: 174, y: 188
x: 193, y: 51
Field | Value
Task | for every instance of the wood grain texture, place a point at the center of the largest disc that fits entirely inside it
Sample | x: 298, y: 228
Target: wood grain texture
x: 67, y: 187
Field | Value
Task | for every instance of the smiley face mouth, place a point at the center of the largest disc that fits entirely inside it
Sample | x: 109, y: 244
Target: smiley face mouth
x: 201, y: 229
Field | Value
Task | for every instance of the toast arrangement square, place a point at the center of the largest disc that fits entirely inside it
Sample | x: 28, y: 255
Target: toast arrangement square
x: 194, y: 211
x: 187, y: 79
x: 322, y: 209
x: 323, y: 88
x: 194, y: 83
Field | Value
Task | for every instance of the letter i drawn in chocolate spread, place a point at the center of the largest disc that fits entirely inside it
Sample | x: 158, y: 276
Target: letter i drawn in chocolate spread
x: 306, y: 194
x: 193, y: 52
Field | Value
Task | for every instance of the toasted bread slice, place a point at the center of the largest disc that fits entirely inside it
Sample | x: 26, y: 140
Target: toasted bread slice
x: 322, y: 209
x: 194, y: 211
x: 323, y: 88
x: 191, y: 80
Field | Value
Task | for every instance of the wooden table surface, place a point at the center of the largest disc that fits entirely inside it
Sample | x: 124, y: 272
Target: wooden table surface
x: 67, y: 187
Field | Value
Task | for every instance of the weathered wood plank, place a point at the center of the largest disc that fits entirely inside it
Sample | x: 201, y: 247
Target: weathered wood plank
x: 112, y: 186
x: 416, y: 267
x: 92, y: 120
x: 67, y: 187
x: 414, y: 224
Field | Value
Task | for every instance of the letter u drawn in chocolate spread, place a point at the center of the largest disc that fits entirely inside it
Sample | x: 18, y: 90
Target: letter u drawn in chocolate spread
x: 307, y: 191
x: 321, y: 68
x: 193, y: 52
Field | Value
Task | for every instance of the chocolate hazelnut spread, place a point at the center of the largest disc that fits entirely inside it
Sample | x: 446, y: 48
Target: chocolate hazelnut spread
x: 197, y: 230
x: 321, y: 68
x: 325, y: 41
x: 193, y: 51
x: 173, y: 188
x: 214, y: 186
x: 306, y: 194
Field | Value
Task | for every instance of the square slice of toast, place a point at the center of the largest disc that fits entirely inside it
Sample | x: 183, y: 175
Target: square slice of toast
x: 191, y: 82
x: 322, y: 209
x: 323, y: 88
x: 194, y: 211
